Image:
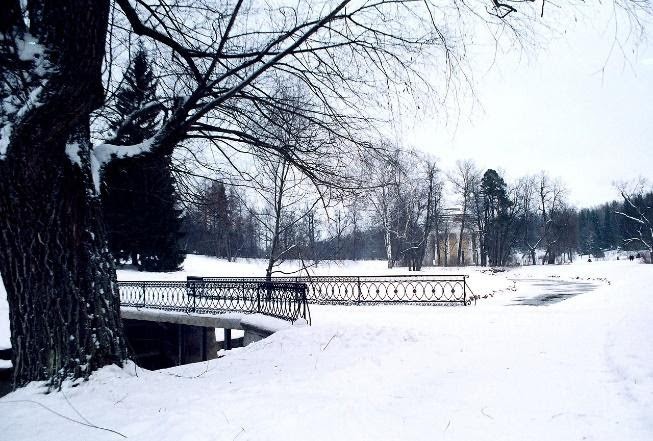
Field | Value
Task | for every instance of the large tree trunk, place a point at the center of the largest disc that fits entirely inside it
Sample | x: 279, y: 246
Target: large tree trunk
x: 60, y: 279
x: 59, y: 276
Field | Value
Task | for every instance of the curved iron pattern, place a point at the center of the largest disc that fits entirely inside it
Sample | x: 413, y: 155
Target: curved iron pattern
x: 358, y: 290
x: 284, y: 300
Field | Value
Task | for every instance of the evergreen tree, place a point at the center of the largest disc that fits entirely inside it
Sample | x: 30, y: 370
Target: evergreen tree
x: 496, y: 242
x: 138, y: 196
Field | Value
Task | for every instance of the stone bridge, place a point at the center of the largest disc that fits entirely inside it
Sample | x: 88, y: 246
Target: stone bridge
x: 172, y: 323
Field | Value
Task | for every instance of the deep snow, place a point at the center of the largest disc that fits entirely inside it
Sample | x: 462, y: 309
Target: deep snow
x: 576, y: 369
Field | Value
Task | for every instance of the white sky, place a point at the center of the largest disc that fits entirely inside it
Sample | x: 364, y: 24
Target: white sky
x: 556, y: 111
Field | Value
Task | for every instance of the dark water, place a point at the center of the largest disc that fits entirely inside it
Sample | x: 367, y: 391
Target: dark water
x: 542, y: 292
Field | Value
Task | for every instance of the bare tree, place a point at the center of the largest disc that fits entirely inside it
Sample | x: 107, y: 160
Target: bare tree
x: 638, y: 213
x: 280, y: 172
x: 419, y: 203
x: 464, y: 178
x: 437, y: 215
x: 384, y: 178
x: 433, y: 194
x: 551, y: 203
x: 406, y: 199
x: 541, y: 200
x: 526, y: 189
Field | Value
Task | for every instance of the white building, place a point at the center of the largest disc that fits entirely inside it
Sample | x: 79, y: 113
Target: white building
x: 447, y: 238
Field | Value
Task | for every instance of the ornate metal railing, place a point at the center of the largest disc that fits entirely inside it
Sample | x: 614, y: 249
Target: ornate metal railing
x: 421, y: 288
x: 285, y: 300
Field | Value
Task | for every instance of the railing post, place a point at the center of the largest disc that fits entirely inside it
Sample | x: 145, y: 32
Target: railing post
x: 143, y: 294
x: 358, y: 283
x: 305, y: 303
x: 191, y: 282
x: 258, y: 298
x: 464, y: 290
x: 226, y: 344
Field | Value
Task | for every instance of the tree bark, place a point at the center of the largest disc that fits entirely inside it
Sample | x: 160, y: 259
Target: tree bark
x: 64, y: 307
x: 388, y: 248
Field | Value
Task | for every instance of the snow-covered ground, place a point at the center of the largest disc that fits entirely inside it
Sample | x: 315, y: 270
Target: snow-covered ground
x: 504, y: 369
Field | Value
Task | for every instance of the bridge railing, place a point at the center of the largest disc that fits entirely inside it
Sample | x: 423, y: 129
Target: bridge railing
x: 418, y: 289
x: 284, y: 300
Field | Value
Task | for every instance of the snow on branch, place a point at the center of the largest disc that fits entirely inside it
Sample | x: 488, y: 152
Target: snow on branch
x: 634, y: 219
x: 150, y: 108
x: 20, y: 91
x: 644, y: 232
x: 104, y: 153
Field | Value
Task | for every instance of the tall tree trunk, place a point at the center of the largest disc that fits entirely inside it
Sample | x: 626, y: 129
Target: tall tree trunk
x: 60, y: 279
x: 64, y: 307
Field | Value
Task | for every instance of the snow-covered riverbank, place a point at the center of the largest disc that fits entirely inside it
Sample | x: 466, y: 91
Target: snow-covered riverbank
x: 581, y: 368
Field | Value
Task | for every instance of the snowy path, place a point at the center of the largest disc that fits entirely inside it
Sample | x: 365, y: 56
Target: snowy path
x: 577, y: 369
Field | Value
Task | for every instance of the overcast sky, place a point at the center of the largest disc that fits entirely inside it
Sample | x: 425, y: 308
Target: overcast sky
x: 556, y: 111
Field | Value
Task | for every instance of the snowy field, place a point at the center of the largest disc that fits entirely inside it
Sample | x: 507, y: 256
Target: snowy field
x: 556, y: 353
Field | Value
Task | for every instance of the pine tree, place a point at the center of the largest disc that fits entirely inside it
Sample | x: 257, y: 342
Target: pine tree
x: 495, y: 245
x: 138, y: 196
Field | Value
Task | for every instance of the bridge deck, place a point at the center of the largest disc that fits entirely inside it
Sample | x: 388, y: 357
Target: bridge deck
x: 228, y: 320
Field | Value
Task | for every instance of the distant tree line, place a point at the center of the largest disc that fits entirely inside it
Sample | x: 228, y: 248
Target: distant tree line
x: 408, y: 207
x: 601, y: 228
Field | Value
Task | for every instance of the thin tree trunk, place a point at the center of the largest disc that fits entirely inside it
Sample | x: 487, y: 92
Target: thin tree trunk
x: 462, y: 229
x: 280, y: 183
x: 446, y: 247
x: 388, y: 248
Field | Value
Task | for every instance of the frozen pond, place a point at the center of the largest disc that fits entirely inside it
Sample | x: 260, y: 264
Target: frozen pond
x: 541, y: 292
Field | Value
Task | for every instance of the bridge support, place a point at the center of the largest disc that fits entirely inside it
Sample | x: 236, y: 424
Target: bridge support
x: 226, y: 345
x: 161, y: 339
x: 159, y: 345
